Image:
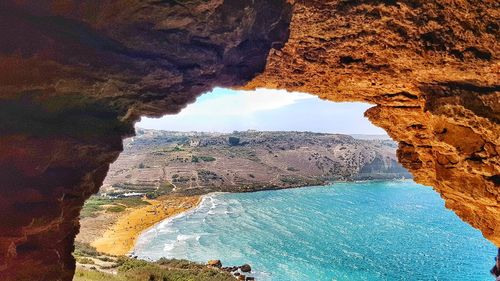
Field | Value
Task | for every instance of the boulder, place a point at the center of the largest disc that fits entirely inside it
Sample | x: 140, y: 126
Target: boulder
x: 245, y: 268
x: 214, y: 263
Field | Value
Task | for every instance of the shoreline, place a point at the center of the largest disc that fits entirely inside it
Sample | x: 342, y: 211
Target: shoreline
x: 201, y: 199
x: 120, y: 238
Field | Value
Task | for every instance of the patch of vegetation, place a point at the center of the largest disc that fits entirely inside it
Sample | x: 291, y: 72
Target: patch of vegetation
x: 177, y: 148
x: 84, y: 249
x: 207, y: 158
x: 251, y: 175
x: 196, y: 159
x: 85, y: 260
x: 181, y: 179
x: 205, y: 175
x: 130, y: 201
x: 290, y: 180
x: 163, y: 189
x: 96, y: 204
x: 233, y: 141
x: 292, y: 169
x: 163, y: 270
x: 141, y: 166
x: 126, y: 186
x: 116, y: 209
x: 92, y: 206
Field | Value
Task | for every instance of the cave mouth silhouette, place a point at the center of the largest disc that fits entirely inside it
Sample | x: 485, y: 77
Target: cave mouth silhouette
x: 179, y: 128
x: 227, y: 111
x: 76, y: 75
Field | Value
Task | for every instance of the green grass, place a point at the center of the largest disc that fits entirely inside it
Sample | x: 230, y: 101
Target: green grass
x: 207, y: 158
x: 140, y: 270
x: 85, y: 260
x: 163, y: 189
x: 116, y: 209
x: 196, y: 159
x: 96, y: 204
x: 84, y: 249
x: 163, y: 270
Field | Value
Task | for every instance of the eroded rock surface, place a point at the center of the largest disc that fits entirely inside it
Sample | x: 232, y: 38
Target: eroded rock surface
x: 431, y: 67
x: 75, y: 75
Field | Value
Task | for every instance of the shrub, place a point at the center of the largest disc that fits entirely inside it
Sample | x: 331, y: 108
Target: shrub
x: 85, y: 261
x: 207, y: 158
x: 84, y: 249
x: 116, y: 209
x: 233, y: 141
x: 164, y: 188
x: 290, y: 180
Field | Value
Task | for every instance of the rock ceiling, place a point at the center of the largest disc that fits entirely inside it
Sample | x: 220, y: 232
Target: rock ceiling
x: 76, y: 75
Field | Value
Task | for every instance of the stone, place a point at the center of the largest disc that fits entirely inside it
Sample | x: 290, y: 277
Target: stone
x: 66, y: 102
x: 214, y: 263
x: 245, y: 268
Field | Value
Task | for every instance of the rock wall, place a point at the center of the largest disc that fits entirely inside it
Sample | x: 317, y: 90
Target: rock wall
x: 75, y: 75
x: 431, y: 68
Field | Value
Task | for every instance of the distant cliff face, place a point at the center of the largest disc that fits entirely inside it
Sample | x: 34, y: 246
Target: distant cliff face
x: 75, y: 75
x: 247, y: 161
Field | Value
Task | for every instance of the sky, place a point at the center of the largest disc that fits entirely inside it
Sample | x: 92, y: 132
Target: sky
x: 225, y: 110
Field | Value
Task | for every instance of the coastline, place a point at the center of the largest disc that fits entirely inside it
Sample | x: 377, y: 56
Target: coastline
x: 120, y: 238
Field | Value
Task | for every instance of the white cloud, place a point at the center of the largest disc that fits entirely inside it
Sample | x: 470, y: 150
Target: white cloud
x: 248, y: 102
x: 226, y: 110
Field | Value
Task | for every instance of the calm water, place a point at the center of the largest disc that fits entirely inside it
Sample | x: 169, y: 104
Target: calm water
x: 346, y: 231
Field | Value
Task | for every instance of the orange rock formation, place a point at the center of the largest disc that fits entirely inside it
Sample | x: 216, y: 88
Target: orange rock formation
x: 75, y: 75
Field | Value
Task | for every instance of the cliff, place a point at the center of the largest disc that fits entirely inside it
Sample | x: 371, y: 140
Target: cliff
x: 75, y: 76
x: 199, y: 163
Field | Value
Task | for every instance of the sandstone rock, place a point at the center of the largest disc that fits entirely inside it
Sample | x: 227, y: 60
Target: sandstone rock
x: 215, y: 263
x: 435, y: 88
x: 76, y: 75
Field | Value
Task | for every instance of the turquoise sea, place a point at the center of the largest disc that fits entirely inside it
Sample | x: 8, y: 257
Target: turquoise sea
x: 394, y: 230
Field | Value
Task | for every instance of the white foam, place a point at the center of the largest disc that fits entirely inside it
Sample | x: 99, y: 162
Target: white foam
x: 168, y: 225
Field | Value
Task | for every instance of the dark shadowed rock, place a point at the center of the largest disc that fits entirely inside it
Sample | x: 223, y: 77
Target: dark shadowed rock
x: 245, y: 268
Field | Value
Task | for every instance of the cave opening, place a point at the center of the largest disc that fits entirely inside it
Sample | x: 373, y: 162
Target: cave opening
x: 237, y: 141
x: 76, y: 75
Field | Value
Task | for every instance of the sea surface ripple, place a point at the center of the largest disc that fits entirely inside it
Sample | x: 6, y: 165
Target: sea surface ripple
x: 392, y: 230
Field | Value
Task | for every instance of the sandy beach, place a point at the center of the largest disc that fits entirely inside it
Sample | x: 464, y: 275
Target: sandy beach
x: 119, y: 238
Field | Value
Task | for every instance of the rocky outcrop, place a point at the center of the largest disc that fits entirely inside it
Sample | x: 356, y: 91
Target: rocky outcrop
x: 74, y: 76
x: 431, y: 67
x: 51, y: 159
